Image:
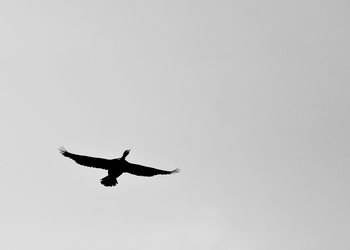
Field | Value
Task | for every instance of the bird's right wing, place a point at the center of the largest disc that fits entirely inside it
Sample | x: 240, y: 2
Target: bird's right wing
x: 86, y: 160
x: 140, y: 170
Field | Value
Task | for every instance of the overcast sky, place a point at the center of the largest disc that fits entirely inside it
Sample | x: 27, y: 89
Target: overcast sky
x: 249, y: 98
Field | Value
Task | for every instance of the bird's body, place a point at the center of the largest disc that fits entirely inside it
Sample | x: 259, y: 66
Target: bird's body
x: 115, y: 167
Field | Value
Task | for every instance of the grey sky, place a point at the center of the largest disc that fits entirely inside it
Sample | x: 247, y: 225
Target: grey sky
x: 249, y: 98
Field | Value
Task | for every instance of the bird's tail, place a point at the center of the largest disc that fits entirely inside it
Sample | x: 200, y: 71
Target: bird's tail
x: 175, y: 171
x: 109, y: 181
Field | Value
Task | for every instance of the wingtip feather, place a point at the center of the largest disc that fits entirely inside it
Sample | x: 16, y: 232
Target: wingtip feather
x: 175, y: 171
x: 63, y: 151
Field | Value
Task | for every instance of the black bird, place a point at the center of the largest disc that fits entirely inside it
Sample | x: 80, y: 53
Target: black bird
x: 115, y: 167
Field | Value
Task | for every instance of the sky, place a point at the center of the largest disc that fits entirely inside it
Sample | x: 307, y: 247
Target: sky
x: 250, y: 99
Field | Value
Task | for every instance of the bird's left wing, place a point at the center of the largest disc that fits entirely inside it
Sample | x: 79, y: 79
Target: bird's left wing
x: 86, y: 160
x: 140, y: 170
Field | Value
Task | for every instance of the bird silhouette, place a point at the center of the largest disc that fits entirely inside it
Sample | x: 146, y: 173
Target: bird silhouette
x: 115, y: 167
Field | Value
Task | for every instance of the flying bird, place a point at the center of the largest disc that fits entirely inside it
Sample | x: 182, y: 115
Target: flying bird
x: 115, y: 167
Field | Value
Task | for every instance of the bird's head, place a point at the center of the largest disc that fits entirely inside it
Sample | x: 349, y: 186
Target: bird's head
x: 125, y: 154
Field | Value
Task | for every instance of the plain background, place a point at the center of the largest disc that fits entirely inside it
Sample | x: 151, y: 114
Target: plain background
x: 249, y: 98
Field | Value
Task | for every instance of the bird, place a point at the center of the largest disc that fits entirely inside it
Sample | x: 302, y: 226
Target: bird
x: 115, y: 167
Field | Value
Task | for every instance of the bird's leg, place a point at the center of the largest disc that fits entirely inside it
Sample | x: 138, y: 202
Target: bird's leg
x: 125, y: 154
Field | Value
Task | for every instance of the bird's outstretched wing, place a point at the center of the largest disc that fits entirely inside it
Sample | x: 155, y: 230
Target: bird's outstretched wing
x: 86, y: 160
x: 146, y: 171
